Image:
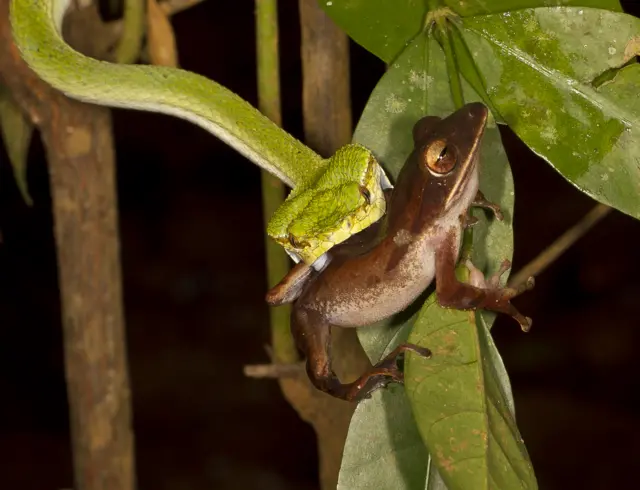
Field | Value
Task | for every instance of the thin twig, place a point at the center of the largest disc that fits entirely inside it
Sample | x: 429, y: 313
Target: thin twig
x: 274, y: 370
x: 273, y: 190
x: 557, y: 248
x: 130, y: 43
x: 170, y: 7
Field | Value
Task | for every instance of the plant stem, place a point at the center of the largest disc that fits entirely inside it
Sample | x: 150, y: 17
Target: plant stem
x: 277, y: 371
x: 326, y: 98
x: 452, y: 67
x: 78, y: 141
x: 560, y: 245
x: 133, y: 28
x: 273, y: 190
x: 468, y: 67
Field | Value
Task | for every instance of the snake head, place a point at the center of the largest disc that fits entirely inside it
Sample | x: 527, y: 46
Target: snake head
x: 347, y: 198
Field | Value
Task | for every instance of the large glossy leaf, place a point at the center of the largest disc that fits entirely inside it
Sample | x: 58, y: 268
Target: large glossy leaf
x: 479, y: 7
x: 460, y: 406
x: 539, y: 64
x: 16, y: 131
x: 384, y: 449
x: 383, y: 440
x: 385, y: 27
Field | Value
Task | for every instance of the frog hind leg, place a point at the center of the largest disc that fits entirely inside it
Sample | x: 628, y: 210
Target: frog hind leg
x: 313, y: 336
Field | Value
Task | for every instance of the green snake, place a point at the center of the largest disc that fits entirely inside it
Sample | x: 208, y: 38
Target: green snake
x: 309, y: 223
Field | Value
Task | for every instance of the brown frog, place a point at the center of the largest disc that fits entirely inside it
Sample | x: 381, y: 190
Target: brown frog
x: 382, y: 270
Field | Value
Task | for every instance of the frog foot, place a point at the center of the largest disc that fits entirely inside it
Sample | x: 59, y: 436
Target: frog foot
x: 502, y: 296
x: 481, y: 202
x: 384, y: 372
x: 468, y: 221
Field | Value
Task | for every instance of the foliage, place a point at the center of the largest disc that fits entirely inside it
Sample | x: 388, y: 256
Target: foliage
x: 555, y: 75
x: 563, y: 75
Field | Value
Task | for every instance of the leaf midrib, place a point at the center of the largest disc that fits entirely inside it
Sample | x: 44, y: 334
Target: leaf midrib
x: 485, y: 416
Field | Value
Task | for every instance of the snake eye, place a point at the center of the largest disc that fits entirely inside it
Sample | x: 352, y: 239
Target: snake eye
x: 440, y: 158
x: 293, y: 241
x: 366, y: 194
x: 296, y: 242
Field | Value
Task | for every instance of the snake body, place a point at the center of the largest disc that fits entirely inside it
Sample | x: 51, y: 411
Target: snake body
x: 306, y: 233
x: 37, y: 32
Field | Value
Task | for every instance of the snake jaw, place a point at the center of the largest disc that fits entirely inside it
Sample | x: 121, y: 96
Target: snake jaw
x: 347, y: 198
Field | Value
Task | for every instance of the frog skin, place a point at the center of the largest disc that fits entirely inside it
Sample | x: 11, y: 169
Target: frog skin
x: 382, y: 270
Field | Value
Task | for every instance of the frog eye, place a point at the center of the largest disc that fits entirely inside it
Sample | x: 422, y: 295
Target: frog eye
x: 440, y: 158
x: 364, y: 192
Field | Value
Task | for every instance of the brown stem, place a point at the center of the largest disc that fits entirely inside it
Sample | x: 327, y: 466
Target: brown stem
x: 109, y: 33
x: 79, y: 148
x: 325, y: 76
x: 558, y: 247
x: 328, y: 126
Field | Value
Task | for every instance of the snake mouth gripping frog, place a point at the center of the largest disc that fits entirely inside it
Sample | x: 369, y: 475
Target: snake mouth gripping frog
x: 382, y: 270
x: 348, y: 197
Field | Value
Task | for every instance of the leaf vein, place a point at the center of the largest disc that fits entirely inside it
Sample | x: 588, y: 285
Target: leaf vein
x: 562, y: 81
x: 442, y: 419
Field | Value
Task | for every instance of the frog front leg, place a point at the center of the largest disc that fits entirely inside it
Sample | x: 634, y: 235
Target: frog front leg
x: 481, y: 202
x: 480, y: 293
x: 312, y: 333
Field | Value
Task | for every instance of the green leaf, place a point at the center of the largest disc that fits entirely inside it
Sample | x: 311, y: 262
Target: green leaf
x: 386, y: 27
x: 383, y: 448
x: 383, y: 440
x: 467, y: 8
x: 461, y: 406
x: 16, y: 133
x: 434, y: 480
x: 539, y: 65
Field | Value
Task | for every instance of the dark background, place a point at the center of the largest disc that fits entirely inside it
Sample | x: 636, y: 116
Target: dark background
x: 193, y: 267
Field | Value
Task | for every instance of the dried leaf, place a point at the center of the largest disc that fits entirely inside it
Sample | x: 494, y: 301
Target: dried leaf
x: 632, y: 48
